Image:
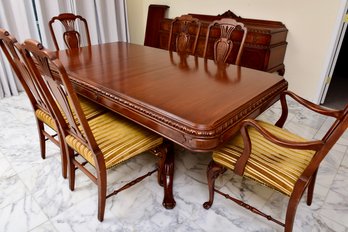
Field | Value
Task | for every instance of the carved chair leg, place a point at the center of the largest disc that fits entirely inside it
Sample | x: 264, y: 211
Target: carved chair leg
x: 214, y: 170
x: 101, y: 195
x: 310, y: 190
x: 41, y: 128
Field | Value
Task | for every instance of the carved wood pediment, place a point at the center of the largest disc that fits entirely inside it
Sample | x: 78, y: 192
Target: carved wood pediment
x: 229, y: 14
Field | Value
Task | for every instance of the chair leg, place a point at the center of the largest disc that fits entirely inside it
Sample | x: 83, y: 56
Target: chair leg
x: 292, y: 207
x: 101, y: 195
x: 311, y: 188
x: 214, y: 170
x: 41, y: 128
x: 64, y: 156
x: 71, y: 166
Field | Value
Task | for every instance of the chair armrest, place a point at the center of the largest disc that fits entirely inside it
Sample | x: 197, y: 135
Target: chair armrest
x: 310, y: 105
x: 241, y: 162
x: 314, y: 107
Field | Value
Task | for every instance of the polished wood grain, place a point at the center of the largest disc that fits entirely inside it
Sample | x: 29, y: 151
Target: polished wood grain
x: 71, y: 35
x: 99, y: 141
x: 223, y: 46
x: 304, y: 180
x: 154, y: 16
x: 265, y: 44
x: 188, y: 100
x: 180, y: 39
x: 197, y: 106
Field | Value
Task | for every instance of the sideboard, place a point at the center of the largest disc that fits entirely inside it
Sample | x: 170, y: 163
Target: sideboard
x: 264, y: 48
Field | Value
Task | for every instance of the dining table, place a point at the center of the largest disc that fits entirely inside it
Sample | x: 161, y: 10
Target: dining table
x: 188, y: 100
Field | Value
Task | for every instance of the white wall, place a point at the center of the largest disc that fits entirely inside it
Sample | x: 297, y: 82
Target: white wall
x: 137, y: 15
x: 313, y: 26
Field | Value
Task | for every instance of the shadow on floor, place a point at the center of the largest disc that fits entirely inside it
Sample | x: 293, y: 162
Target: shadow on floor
x: 337, y: 96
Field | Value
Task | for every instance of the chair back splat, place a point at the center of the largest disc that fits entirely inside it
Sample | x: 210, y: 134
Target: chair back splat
x: 104, y: 141
x: 228, y: 40
x: 184, y: 34
x: 71, y: 35
x: 11, y: 48
x: 277, y: 158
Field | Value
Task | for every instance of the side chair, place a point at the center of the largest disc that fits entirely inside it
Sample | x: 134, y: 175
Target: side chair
x: 224, y: 45
x: 10, y: 47
x: 71, y: 36
x: 104, y: 141
x: 44, y: 119
x: 184, y: 34
x: 276, y: 158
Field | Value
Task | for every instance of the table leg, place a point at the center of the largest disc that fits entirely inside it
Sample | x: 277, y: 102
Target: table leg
x: 168, y: 173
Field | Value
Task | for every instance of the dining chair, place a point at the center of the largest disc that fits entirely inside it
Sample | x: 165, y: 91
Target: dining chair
x: 71, y: 35
x: 184, y: 34
x: 276, y: 158
x: 44, y: 120
x: 224, y: 45
x: 10, y: 48
x: 104, y: 141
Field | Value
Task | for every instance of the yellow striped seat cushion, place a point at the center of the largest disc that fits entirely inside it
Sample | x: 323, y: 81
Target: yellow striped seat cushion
x: 118, y: 138
x: 90, y: 109
x: 46, y: 118
x: 268, y: 164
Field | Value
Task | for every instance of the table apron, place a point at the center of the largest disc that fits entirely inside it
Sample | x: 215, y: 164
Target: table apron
x: 190, y: 138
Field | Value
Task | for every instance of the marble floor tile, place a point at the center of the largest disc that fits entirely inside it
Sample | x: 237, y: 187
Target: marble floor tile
x: 56, y: 197
x: 46, y: 173
x: 34, y: 197
x: 328, y: 169
x: 308, y: 118
x: 24, y: 156
x: 12, y: 190
x: 45, y: 227
x: 336, y: 204
x: 273, y: 114
x: 308, y: 220
x: 140, y: 209
x: 6, y: 170
x: 22, y: 215
x: 336, y: 207
x: 304, y: 131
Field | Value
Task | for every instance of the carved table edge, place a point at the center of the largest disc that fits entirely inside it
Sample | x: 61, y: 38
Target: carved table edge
x: 186, y: 129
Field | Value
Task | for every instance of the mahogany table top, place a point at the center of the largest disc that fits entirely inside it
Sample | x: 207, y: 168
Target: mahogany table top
x: 186, y: 99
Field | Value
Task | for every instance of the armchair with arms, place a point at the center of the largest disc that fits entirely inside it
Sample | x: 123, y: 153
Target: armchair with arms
x: 276, y: 158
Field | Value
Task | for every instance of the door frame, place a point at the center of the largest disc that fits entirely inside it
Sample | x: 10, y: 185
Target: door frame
x: 342, y: 26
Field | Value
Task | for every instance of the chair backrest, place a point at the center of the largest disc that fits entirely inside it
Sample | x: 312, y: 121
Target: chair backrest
x: 12, y: 51
x: 55, y: 84
x: 71, y: 36
x: 224, y: 45
x: 187, y: 29
x: 332, y: 135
